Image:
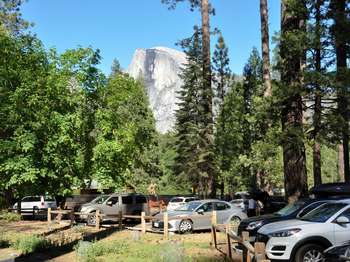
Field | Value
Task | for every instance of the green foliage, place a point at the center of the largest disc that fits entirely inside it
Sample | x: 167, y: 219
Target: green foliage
x: 27, y: 244
x: 10, y: 216
x: 125, y: 132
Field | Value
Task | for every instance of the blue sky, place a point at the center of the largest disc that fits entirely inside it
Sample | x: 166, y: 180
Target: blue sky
x: 118, y: 27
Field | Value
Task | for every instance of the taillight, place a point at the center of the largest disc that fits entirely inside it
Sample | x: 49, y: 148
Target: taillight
x: 42, y: 201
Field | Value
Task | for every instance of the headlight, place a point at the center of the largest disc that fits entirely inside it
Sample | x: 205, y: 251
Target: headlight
x: 285, y: 233
x: 254, y: 225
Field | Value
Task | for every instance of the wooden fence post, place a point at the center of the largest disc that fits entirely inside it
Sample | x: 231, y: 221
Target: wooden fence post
x: 245, y: 253
x: 143, y: 222
x: 49, y: 215
x: 120, y: 220
x: 71, y: 217
x: 97, y: 219
x: 259, y: 248
x: 165, y: 227
x: 213, y: 230
x: 229, y: 246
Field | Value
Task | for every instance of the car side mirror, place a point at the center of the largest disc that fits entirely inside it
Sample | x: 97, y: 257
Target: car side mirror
x: 200, y: 211
x: 342, y: 220
x: 109, y: 203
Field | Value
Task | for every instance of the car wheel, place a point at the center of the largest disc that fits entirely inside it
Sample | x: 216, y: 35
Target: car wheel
x: 310, y: 253
x: 234, y: 221
x: 185, y: 227
x: 91, y: 219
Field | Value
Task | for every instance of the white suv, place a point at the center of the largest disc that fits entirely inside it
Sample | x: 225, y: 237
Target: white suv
x: 36, y: 204
x: 304, y: 239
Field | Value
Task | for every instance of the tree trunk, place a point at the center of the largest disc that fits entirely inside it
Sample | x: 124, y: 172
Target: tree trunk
x: 294, y: 157
x: 265, y: 45
x: 339, y: 15
x: 207, y: 100
x: 318, y: 101
x: 341, y: 163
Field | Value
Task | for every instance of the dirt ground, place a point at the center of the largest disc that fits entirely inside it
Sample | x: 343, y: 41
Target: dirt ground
x: 196, y: 246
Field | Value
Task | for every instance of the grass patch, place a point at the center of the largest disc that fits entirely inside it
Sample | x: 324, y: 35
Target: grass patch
x: 91, y: 251
x: 9, y: 216
x: 27, y: 244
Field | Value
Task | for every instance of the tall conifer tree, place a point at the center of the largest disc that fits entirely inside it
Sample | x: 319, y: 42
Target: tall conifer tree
x: 293, y: 32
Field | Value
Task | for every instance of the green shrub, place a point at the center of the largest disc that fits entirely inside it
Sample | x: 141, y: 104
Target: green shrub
x: 9, y: 216
x: 27, y: 244
x: 89, y: 251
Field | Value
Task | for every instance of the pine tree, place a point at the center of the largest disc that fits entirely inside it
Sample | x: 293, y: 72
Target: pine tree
x: 115, y: 68
x: 292, y: 53
x: 222, y: 76
x: 222, y: 79
x: 338, y: 12
x: 207, y: 165
x: 188, y: 122
x: 315, y: 74
x: 265, y: 46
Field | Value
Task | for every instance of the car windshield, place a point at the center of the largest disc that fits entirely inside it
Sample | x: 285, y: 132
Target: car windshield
x: 323, y: 213
x: 99, y: 199
x: 289, y: 209
x: 191, y: 206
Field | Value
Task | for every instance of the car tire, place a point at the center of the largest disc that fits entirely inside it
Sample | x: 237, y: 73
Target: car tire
x: 185, y: 227
x: 91, y: 219
x: 309, y: 253
x: 234, y: 221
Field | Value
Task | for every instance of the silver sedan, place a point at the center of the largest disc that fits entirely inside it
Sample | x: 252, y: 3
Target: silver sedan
x: 196, y: 215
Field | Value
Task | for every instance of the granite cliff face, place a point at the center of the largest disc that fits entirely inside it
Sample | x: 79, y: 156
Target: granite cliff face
x: 159, y: 68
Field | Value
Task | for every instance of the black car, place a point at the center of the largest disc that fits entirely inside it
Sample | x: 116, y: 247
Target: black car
x: 338, y: 253
x: 297, y: 209
x: 331, y: 190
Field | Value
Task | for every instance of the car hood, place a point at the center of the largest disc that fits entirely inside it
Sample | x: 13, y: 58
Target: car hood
x: 90, y: 205
x: 260, y: 218
x: 286, y: 224
x: 174, y: 214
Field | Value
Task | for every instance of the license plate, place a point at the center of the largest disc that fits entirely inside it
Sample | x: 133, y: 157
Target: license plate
x: 156, y: 224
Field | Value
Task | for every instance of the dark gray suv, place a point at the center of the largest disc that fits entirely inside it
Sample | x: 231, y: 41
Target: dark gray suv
x: 110, y: 205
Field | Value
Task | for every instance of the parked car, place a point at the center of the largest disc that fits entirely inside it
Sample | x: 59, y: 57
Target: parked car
x: 111, y: 205
x: 338, y: 253
x: 195, y: 215
x: 295, y: 210
x: 306, y: 238
x: 176, y: 202
x: 35, y: 205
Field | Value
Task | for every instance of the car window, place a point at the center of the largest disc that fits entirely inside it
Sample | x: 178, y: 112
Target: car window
x: 141, y: 200
x: 221, y: 206
x: 114, y: 200
x: 176, y: 200
x: 207, y: 207
x: 346, y: 213
x: 26, y: 199
x: 324, y: 212
x: 191, y: 206
x: 190, y: 199
x: 127, y: 200
x: 100, y: 199
x: 309, y: 208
